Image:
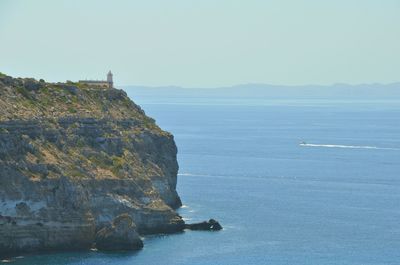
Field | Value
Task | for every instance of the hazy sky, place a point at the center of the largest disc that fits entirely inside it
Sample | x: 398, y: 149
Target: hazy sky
x: 202, y: 43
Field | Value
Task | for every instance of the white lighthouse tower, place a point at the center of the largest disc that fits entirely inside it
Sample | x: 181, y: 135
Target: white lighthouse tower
x: 110, y: 79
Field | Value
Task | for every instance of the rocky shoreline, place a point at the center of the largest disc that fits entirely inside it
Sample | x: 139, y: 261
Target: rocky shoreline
x: 80, y: 166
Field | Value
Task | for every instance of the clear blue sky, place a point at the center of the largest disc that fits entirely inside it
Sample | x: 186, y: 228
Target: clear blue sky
x: 202, y: 43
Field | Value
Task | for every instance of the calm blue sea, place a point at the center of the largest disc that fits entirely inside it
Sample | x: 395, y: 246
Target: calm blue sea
x: 333, y: 200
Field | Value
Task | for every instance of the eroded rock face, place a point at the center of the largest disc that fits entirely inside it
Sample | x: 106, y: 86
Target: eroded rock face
x: 211, y: 225
x: 48, y: 215
x: 121, y: 235
x: 72, y: 160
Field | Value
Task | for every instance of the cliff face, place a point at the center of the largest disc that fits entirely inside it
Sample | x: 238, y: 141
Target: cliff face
x: 72, y: 158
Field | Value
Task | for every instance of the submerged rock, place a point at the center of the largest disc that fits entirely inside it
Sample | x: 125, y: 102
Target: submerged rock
x: 121, y: 235
x: 211, y: 225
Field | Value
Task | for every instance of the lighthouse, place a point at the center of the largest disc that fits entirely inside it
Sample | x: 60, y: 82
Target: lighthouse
x: 109, y: 83
x: 110, y: 79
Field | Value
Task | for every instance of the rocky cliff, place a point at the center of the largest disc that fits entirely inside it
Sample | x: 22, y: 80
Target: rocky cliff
x: 72, y: 159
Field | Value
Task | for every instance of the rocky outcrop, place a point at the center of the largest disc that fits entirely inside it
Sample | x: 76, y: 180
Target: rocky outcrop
x: 72, y: 159
x: 211, y: 225
x: 121, y: 235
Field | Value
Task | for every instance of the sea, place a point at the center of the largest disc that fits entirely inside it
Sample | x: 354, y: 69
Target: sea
x: 292, y: 181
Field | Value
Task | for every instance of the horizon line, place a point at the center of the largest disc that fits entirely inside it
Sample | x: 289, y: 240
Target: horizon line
x: 265, y: 84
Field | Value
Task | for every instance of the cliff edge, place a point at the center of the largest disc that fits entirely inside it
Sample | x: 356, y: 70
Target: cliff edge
x: 72, y: 159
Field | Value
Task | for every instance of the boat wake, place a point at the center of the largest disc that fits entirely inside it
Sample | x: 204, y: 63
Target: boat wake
x: 186, y: 174
x: 348, y: 146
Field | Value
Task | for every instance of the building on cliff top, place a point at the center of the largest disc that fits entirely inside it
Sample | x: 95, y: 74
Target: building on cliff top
x: 100, y: 83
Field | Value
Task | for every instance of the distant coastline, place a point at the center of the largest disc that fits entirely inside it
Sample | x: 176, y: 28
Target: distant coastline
x: 336, y: 91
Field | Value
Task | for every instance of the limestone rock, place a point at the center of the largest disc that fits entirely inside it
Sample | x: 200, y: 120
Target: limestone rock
x: 121, y: 235
x: 74, y: 158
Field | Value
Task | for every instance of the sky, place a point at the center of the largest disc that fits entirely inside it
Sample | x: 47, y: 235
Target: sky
x: 202, y: 43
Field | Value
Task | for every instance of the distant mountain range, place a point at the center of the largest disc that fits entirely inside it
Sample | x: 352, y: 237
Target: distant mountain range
x: 336, y: 91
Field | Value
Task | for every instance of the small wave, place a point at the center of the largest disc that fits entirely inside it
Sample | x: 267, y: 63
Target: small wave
x: 348, y: 146
x: 184, y: 206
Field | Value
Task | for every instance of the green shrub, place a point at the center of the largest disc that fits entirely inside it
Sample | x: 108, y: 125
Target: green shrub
x: 101, y: 160
x: 24, y: 92
x: 118, y: 163
x: 72, y: 110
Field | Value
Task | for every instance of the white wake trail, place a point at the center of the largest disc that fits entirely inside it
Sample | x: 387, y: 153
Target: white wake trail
x: 348, y: 146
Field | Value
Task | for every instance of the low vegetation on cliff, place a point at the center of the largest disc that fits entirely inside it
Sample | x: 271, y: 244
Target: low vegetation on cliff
x: 27, y: 98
